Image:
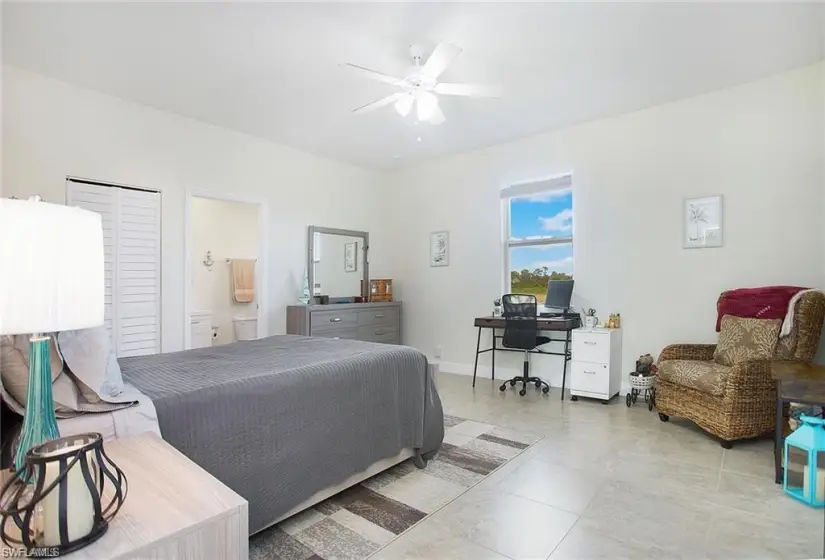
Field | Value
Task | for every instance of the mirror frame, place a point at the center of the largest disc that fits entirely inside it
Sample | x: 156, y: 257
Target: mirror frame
x: 365, y: 246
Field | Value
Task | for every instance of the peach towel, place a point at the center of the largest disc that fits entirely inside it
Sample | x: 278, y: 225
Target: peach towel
x: 243, y: 280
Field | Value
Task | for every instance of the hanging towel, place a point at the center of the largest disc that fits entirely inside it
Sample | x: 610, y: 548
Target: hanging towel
x: 243, y: 280
x: 787, y: 324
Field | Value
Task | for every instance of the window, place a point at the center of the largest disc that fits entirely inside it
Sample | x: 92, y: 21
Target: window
x: 538, y: 231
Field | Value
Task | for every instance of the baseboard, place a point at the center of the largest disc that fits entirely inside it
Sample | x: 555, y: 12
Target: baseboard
x: 502, y: 372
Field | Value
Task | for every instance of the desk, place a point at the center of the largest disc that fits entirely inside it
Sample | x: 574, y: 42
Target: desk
x: 799, y: 383
x: 545, y: 325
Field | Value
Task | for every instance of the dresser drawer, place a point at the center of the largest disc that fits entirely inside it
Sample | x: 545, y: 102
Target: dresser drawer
x: 384, y: 335
x: 589, y: 377
x: 343, y: 333
x: 591, y: 347
x: 387, y: 316
x: 323, y: 320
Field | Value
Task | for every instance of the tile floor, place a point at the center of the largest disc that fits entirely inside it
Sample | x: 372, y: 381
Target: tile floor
x: 610, y: 482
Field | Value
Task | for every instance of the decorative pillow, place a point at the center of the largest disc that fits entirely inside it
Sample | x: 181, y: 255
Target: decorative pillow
x: 742, y: 339
x: 90, y: 360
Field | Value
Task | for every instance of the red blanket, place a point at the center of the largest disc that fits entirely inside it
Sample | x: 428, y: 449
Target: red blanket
x: 770, y: 302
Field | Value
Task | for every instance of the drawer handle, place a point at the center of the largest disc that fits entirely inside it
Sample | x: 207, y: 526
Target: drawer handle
x: 334, y: 319
x: 590, y: 342
x: 379, y: 332
x: 379, y: 315
x: 590, y: 372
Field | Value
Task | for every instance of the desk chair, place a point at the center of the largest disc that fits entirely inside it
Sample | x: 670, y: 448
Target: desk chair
x: 521, y: 331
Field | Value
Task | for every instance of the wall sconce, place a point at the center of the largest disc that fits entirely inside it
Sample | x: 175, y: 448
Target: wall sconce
x: 208, y: 262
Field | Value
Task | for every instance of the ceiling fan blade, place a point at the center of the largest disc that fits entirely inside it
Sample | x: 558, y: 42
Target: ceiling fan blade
x: 437, y: 116
x: 469, y: 90
x: 442, y: 56
x: 375, y: 75
x: 377, y: 104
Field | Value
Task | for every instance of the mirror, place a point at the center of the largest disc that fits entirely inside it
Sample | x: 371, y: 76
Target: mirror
x: 336, y: 262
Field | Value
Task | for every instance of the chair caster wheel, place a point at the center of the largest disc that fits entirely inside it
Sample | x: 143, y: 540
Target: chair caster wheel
x: 538, y: 384
x: 545, y: 390
x: 512, y: 382
x: 522, y: 392
x: 503, y: 388
x: 664, y: 417
x: 574, y: 398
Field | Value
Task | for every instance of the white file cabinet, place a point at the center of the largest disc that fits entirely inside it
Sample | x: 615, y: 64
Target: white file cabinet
x: 596, y: 366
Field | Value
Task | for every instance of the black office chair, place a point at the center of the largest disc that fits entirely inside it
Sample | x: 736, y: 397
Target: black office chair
x: 521, y: 331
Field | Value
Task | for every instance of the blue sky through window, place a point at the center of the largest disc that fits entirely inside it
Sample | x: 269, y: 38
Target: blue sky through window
x: 542, y: 215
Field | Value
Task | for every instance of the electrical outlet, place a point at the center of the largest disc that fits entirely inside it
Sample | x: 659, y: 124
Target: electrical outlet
x: 438, y: 351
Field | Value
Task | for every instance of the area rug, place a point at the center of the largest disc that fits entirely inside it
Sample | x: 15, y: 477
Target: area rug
x: 357, y: 522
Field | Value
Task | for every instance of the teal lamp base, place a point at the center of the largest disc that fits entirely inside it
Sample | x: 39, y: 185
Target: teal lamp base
x: 39, y: 422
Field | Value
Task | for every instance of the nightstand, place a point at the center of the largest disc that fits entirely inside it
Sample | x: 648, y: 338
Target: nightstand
x: 174, y: 509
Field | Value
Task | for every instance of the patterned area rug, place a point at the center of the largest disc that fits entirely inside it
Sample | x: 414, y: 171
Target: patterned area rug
x: 362, y: 519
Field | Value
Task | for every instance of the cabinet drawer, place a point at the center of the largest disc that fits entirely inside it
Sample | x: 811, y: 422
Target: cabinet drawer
x: 384, y: 335
x: 322, y: 320
x: 383, y: 316
x: 591, y: 347
x: 589, y: 377
x: 346, y: 334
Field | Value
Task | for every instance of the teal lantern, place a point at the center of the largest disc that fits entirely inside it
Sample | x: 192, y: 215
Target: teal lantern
x: 805, y: 462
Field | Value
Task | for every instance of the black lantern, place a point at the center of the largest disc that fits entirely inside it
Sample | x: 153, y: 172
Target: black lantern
x: 74, y: 490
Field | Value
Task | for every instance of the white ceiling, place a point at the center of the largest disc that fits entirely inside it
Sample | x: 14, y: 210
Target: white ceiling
x: 274, y: 70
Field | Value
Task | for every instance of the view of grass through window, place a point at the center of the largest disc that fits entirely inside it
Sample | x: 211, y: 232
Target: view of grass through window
x: 541, y: 241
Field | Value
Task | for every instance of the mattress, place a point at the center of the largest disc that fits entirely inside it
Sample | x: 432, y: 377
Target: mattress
x: 282, y: 418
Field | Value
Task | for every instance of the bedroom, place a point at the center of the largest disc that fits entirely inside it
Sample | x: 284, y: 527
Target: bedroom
x: 640, y: 106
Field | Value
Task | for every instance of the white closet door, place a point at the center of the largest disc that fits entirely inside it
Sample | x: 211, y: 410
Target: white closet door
x: 102, y: 200
x: 131, y: 232
x: 138, y: 273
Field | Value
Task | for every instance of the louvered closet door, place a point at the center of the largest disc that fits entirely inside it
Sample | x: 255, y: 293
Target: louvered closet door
x: 131, y: 237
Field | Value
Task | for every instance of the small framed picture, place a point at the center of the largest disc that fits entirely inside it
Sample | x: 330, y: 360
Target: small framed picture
x: 440, y: 248
x: 351, y: 256
x: 702, y: 222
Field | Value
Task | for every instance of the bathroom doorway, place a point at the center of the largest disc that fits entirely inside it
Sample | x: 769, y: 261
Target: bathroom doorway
x: 225, y: 271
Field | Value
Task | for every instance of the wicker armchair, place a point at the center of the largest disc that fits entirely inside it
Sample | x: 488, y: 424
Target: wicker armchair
x: 742, y: 402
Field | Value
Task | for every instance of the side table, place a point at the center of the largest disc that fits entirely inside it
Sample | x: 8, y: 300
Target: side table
x: 799, y: 383
x: 173, y: 510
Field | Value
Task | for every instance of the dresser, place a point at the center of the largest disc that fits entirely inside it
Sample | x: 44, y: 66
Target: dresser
x: 371, y: 322
x: 596, y: 366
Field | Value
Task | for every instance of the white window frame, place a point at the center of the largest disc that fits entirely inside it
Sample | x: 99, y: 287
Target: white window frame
x: 562, y: 182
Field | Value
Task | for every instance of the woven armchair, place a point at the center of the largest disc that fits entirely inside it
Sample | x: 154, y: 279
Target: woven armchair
x: 743, y: 402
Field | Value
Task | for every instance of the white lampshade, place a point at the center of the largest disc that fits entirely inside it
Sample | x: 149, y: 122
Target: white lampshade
x: 51, y: 267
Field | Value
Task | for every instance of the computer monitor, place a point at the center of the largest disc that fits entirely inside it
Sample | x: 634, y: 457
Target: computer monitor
x: 559, y: 293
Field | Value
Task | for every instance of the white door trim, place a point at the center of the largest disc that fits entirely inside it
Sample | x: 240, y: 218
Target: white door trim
x: 261, y: 271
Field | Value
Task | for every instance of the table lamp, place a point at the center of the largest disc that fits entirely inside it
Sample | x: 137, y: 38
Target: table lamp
x: 51, y: 279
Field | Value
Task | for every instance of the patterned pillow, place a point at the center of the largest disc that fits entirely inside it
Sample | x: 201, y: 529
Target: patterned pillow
x: 742, y: 339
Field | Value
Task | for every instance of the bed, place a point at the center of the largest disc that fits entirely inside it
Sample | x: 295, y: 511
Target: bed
x: 287, y: 421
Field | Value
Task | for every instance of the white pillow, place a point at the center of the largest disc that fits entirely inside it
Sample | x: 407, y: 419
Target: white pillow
x: 89, y: 358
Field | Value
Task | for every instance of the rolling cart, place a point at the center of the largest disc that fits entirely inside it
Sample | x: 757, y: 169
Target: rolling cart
x: 642, y: 385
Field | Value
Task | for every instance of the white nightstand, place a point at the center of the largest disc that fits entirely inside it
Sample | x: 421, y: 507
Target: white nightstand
x: 174, y: 509
x: 596, y: 366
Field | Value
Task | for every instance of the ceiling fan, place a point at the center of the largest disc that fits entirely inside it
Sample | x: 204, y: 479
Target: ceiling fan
x: 420, y: 87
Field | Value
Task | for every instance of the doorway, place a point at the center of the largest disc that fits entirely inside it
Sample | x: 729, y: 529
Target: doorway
x: 225, y: 249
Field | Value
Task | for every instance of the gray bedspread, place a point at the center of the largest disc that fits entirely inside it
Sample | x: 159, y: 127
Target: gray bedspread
x: 280, y: 418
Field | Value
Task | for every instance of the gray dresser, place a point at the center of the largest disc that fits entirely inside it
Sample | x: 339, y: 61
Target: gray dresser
x: 372, y: 322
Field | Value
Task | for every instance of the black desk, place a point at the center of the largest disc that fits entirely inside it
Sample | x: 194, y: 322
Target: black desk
x: 545, y: 325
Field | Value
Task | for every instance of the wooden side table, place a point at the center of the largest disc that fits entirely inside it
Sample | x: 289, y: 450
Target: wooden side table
x: 798, y: 383
x: 173, y: 510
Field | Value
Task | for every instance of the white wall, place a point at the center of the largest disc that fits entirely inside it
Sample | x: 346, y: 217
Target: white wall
x: 230, y: 231
x: 760, y: 145
x: 52, y: 129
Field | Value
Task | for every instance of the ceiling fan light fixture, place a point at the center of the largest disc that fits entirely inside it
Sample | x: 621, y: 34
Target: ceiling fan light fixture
x: 404, y: 105
x: 427, y: 106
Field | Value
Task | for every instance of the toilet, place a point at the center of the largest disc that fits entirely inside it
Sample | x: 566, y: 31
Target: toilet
x: 246, y: 328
